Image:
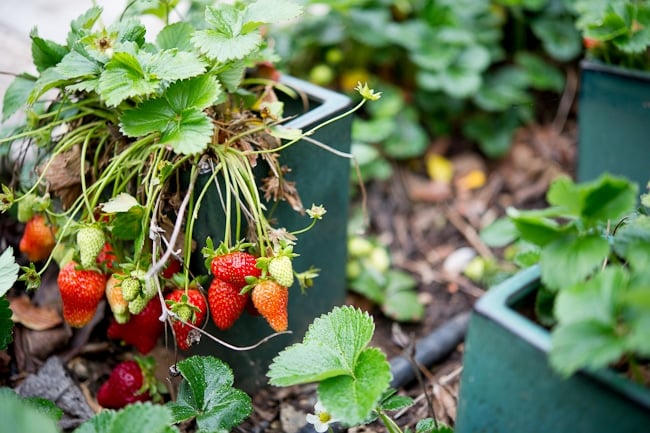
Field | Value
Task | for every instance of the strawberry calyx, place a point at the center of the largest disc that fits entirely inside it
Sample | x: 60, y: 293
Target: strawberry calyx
x: 150, y: 383
x: 210, y: 252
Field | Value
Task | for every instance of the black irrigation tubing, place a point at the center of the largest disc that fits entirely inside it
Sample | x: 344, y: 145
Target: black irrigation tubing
x: 430, y: 349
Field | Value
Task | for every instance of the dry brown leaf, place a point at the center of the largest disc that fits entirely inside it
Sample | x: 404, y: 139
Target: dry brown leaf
x: 32, y: 316
x: 63, y: 176
x: 425, y: 190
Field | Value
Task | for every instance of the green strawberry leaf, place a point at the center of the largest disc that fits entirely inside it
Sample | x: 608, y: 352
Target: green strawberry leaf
x: 534, y: 227
x: 565, y: 195
x: 6, y: 324
x: 347, y: 330
x: 588, y: 344
x: 428, y: 425
x: 177, y: 114
x: 206, y: 393
x: 330, y: 348
x: 609, y: 199
x: 226, y: 39
x: 190, y: 134
x: 395, y: 402
x: 8, y: 270
x: 45, y: 406
x: 46, y: 54
x: 352, y: 398
x: 19, y: 415
x: 128, y: 225
x: 593, y: 300
x: 631, y: 241
x: 125, y: 78
x: 176, y: 35
x: 82, y: 25
x: 500, y: 233
x: 134, y: 418
x: 571, y: 259
x: 222, y: 48
x: 401, y: 301
x: 403, y: 306
x: 17, y: 95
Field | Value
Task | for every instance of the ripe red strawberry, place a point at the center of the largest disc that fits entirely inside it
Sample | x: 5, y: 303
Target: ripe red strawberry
x: 81, y: 290
x: 226, y: 303
x: 173, y: 266
x: 234, y: 267
x: 129, y: 382
x: 38, y: 240
x: 142, y: 330
x: 106, y: 257
x: 271, y: 300
x: 192, y: 308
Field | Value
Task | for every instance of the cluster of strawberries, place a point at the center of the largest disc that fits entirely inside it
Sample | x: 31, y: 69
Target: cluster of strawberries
x: 240, y: 281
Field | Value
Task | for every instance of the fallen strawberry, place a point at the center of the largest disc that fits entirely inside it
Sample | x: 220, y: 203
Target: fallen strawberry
x: 271, y: 300
x: 130, y: 381
x: 234, y: 267
x: 38, y: 240
x: 81, y: 290
x: 189, y: 306
x: 226, y: 303
x: 142, y: 330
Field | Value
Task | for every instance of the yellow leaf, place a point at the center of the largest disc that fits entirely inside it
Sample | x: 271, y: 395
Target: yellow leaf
x: 472, y: 180
x: 439, y: 168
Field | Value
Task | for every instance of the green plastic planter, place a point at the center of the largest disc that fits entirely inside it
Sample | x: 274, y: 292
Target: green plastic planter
x: 321, y: 178
x: 507, y: 385
x: 613, y: 123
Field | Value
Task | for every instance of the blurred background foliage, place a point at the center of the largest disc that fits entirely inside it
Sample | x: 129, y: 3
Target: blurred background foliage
x: 468, y: 69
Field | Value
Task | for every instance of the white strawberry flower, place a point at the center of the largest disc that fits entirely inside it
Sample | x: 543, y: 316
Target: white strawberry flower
x: 321, y: 419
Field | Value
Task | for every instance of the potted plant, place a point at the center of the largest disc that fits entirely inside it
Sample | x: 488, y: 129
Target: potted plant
x: 155, y: 154
x: 562, y: 346
x: 614, y: 88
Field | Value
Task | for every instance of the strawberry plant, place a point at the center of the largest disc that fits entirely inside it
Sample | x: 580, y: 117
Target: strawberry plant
x: 615, y: 32
x: 592, y: 244
x: 123, y: 123
x: 476, y: 80
x: 353, y: 379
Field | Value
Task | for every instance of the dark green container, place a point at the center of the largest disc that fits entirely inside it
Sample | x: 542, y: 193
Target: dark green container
x: 613, y: 123
x: 507, y: 385
x: 321, y: 178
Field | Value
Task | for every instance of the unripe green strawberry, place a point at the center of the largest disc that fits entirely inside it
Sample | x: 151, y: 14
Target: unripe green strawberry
x: 281, y: 269
x: 130, y: 288
x: 90, y: 241
x: 137, y: 305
